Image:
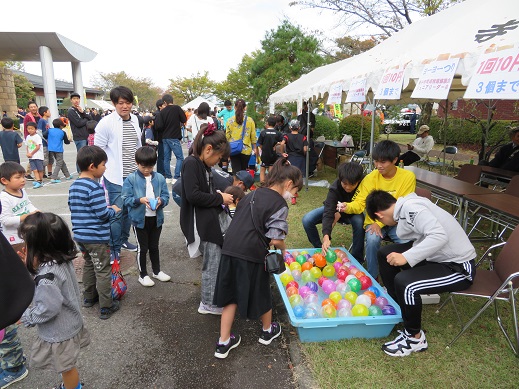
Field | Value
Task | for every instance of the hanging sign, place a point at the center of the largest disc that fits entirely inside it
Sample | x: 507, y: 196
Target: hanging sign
x: 390, y: 86
x: 496, y: 76
x: 357, y: 91
x: 435, y: 80
x: 335, y: 94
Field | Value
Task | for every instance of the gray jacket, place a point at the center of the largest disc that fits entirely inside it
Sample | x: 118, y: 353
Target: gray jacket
x: 437, y: 236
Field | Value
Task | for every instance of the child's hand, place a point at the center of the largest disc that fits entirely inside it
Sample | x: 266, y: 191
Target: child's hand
x: 115, y: 208
x: 23, y: 254
x: 29, y: 155
x: 145, y: 201
x: 285, y: 155
x: 228, y: 199
x: 159, y: 202
x: 341, y: 207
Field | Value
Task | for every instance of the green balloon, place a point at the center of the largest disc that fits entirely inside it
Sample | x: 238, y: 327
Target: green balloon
x: 300, y: 259
x: 331, y: 257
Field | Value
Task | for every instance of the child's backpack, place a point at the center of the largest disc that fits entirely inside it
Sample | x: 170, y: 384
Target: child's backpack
x: 118, y: 282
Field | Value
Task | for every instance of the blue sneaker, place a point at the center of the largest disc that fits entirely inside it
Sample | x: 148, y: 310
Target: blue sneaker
x: 9, y: 377
x: 55, y: 181
x: 128, y: 246
x: 70, y: 177
x: 37, y: 185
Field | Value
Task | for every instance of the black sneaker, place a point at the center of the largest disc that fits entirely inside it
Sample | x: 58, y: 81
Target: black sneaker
x: 267, y: 337
x: 28, y: 177
x: 107, y: 312
x: 45, y: 176
x: 88, y: 303
x: 222, y: 350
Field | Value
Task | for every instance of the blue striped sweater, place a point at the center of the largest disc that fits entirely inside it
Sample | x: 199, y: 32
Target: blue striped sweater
x: 89, y: 212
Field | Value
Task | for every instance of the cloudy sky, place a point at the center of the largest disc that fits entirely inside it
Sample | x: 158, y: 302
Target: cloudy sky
x: 177, y: 38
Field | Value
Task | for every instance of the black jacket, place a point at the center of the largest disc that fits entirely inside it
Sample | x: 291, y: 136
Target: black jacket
x: 78, y: 121
x: 335, y: 193
x: 170, y: 121
x: 507, y: 158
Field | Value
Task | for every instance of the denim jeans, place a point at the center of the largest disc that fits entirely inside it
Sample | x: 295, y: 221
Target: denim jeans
x: 177, y: 198
x: 80, y: 144
x: 314, y: 217
x: 120, y: 223
x: 172, y: 145
x: 160, y: 158
x: 373, y: 245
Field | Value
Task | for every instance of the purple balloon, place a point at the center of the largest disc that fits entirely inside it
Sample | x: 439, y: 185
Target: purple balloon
x: 313, y: 286
x: 304, y: 290
x: 381, y: 302
x: 328, y: 286
x: 388, y: 310
x: 344, y: 304
x: 337, y: 266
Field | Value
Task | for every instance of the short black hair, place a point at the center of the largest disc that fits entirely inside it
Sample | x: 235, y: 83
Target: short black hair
x: 10, y: 168
x: 272, y: 120
x: 227, y: 103
x: 159, y: 103
x: 386, y: 150
x: 42, y: 110
x: 7, y: 123
x: 121, y: 92
x: 146, y: 156
x: 31, y: 124
x: 148, y: 120
x: 30, y: 103
x: 351, y: 172
x: 377, y: 201
x: 167, y: 98
x: 91, y: 126
x: 90, y: 155
x: 58, y: 123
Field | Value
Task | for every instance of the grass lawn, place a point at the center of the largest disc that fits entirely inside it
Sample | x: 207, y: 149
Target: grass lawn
x: 481, y: 358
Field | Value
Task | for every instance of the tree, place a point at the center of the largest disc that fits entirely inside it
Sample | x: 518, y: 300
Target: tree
x: 387, y: 16
x: 349, y: 46
x: 237, y: 85
x: 24, y: 90
x: 144, y: 90
x: 186, y: 89
x: 286, y: 54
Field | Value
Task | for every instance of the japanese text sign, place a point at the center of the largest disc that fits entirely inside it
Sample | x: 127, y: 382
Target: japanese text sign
x: 496, y: 76
x: 335, y: 94
x: 357, y: 91
x: 390, y: 86
x: 435, y: 80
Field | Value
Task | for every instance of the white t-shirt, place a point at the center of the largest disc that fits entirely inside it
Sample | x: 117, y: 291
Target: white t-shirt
x: 195, y: 122
x: 32, y: 142
x: 12, y: 208
x: 150, y: 195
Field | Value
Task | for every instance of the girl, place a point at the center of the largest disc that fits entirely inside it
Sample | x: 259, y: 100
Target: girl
x: 201, y: 209
x: 243, y: 283
x: 236, y: 126
x: 55, y: 310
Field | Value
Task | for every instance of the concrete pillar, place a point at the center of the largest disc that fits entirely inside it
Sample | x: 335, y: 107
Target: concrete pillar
x: 77, y: 80
x: 49, y: 84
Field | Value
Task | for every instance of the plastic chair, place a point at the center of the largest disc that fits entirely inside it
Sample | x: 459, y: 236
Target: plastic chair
x: 449, y: 162
x: 320, y: 146
x: 360, y: 158
x: 501, y: 282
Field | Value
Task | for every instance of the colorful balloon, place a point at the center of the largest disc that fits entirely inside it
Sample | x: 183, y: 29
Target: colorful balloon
x: 328, y: 271
x: 328, y: 311
x: 315, y: 272
x: 342, y: 274
x: 374, y: 290
x: 368, y: 293
x: 313, y: 286
x: 321, y: 280
x: 295, y: 300
x: 304, y: 290
x: 310, y: 313
x: 306, y: 266
x: 354, y: 284
x: 328, y: 301
x: 296, y: 274
x: 328, y: 286
x: 359, y: 310
x: 381, y: 302
x: 337, y: 265
x: 319, y: 260
x: 301, y: 259
x: 364, y: 300
x: 292, y: 291
x: 286, y: 278
x: 375, y: 310
x: 389, y: 310
x: 365, y: 282
x: 351, y: 297
x: 344, y: 312
x: 331, y: 256
x: 306, y: 276
x: 344, y: 304
x: 292, y: 283
x: 335, y: 297
x: 311, y: 298
x: 294, y: 265
x: 299, y: 311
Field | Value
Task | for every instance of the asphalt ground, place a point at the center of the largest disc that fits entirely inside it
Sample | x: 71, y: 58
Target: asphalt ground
x: 158, y: 339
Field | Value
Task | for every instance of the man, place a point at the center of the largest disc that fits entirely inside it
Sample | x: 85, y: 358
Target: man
x: 95, y: 115
x: 438, y: 258
x: 221, y: 181
x: 303, y: 119
x: 119, y: 135
x: 226, y: 113
x: 158, y: 137
x: 420, y: 147
x: 169, y: 124
x: 412, y: 122
x: 507, y: 156
x: 78, y: 119
x: 31, y: 116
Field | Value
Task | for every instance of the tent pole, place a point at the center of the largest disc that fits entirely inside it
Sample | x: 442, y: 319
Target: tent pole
x: 372, y: 139
x: 445, y: 132
x: 361, y: 127
x: 308, y: 140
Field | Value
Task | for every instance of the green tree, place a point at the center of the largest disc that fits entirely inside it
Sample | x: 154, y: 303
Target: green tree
x: 286, y: 54
x: 349, y: 46
x: 238, y: 85
x: 185, y: 89
x: 24, y: 90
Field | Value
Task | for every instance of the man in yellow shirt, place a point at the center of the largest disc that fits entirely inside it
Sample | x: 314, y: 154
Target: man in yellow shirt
x: 387, y: 177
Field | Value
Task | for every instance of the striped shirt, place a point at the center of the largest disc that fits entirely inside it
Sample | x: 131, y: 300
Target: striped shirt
x: 89, y: 212
x: 129, y: 148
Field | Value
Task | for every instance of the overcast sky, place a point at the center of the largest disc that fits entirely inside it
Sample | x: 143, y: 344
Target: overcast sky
x: 177, y: 38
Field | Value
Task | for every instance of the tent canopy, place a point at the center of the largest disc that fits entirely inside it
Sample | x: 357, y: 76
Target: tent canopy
x: 465, y: 30
x: 212, y: 101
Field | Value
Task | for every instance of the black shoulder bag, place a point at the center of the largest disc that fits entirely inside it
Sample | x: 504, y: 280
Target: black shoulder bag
x: 274, y: 262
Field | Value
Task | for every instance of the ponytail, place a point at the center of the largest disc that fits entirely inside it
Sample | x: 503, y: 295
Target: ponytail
x: 239, y: 110
x: 208, y: 135
x: 282, y: 171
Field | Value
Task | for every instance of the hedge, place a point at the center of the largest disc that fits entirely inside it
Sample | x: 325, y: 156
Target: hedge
x: 352, y: 125
x: 326, y: 127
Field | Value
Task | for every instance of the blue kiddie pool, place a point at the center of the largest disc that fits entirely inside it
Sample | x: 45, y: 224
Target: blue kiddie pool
x: 372, y: 316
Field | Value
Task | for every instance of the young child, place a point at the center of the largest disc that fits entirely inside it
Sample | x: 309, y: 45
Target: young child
x: 10, y: 141
x: 91, y: 128
x: 90, y: 218
x: 15, y: 207
x: 35, y: 154
x: 148, y: 136
x: 243, y: 283
x: 296, y: 146
x: 55, y: 310
x: 145, y: 193
x: 237, y: 194
x: 201, y: 208
x: 268, y: 140
x: 342, y: 190
x: 438, y: 258
x: 42, y: 131
x: 56, y: 136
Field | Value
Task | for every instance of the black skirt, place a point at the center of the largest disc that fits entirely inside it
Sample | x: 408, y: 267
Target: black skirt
x: 244, y: 283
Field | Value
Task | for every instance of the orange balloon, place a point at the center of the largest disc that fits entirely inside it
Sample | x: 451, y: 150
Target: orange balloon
x: 371, y: 295
x: 306, y: 266
x: 328, y: 301
x: 359, y: 274
x: 319, y: 260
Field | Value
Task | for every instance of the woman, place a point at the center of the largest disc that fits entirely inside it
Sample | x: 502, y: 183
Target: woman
x: 235, y: 129
x: 200, y: 117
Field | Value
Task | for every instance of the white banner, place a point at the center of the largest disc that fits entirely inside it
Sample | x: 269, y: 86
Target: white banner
x: 435, y: 80
x: 357, y: 91
x: 335, y: 94
x: 496, y: 76
x: 390, y: 86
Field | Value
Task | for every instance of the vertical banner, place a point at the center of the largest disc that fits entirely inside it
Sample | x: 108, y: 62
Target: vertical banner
x: 357, y: 91
x: 435, y: 80
x: 496, y: 76
x: 390, y: 86
x: 335, y: 94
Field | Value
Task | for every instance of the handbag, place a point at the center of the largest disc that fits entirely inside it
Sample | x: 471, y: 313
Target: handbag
x: 237, y: 145
x: 118, y: 282
x: 274, y: 262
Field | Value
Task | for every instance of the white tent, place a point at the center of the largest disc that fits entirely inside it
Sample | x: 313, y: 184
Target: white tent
x: 197, y: 101
x: 100, y: 104
x: 465, y: 30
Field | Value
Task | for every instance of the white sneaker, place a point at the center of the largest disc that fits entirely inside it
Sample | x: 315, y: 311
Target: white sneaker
x: 209, y: 309
x: 146, y: 281
x: 173, y: 180
x: 169, y: 180
x: 405, y: 344
x: 162, y: 276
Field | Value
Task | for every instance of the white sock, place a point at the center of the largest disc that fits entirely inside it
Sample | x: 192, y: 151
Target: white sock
x: 224, y: 343
x: 269, y: 329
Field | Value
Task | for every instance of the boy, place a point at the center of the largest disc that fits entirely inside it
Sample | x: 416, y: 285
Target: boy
x: 56, y: 137
x: 90, y: 218
x: 42, y: 131
x: 268, y: 140
x: 15, y: 206
x: 296, y: 146
x: 342, y: 190
x: 10, y: 141
x: 91, y: 128
x: 147, y: 133
x: 438, y: 258
x: 145, y: 193
x: 386, y: 176
x: 35, y: 154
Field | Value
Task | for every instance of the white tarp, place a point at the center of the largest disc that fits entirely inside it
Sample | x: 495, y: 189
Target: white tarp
x: 100, y: 104
x: 390, y: 85
x: 199, y: 100
x: 465, y: 31
x: 436, y: 79
x: 357, y: 91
